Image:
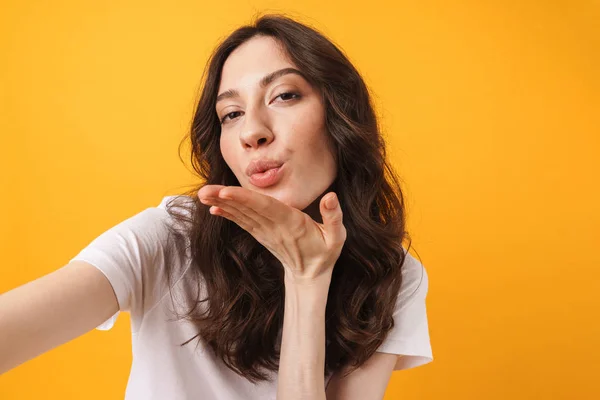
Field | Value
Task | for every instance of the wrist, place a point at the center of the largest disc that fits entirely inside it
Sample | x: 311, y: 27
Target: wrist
x: 318, y: 281
x: 307, y: 291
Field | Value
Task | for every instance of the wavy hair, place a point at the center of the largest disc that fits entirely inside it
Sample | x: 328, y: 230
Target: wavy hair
x: 240, y: 315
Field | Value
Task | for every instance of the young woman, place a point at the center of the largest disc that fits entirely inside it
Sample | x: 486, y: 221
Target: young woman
x: 283, y: 274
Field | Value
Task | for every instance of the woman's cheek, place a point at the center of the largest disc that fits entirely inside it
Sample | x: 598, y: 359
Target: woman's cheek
x: 226, y: 150
x: 304, y: 123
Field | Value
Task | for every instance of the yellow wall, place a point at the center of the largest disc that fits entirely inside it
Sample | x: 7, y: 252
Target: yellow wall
x: 492, y: 114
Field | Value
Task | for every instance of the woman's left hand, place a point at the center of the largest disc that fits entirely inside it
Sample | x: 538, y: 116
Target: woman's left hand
x: 307, y: 249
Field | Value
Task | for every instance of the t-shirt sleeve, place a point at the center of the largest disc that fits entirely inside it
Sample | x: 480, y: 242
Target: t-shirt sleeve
x: 409, y: 338
x: 131, y: 256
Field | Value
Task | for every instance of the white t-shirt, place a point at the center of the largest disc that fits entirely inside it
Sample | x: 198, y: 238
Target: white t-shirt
x: 132, y: 256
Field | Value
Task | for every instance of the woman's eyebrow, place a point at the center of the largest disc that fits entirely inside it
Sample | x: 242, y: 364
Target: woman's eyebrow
x: 231, y: 93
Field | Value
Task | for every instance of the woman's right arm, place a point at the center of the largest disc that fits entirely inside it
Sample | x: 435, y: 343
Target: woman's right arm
x: 51, y: 310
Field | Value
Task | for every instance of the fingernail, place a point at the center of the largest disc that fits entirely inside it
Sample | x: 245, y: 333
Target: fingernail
x: 331, y: 202
x: 224, y: 196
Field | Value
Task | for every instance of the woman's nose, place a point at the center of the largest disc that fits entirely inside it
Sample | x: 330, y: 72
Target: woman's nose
x: 255, y: 130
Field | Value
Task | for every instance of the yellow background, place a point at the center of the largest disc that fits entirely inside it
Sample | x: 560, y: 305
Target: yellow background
x: 492, y: 114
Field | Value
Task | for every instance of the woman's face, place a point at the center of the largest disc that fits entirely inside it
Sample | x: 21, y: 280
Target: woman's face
x: 282, y: 119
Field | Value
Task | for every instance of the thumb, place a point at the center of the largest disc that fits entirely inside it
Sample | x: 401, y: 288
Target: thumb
x: 332, y: 215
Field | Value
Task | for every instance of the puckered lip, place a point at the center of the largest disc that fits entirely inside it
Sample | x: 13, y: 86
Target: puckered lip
x: 261, y: 165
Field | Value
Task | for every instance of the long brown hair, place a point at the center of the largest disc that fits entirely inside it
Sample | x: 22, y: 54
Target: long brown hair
x: 241, y: 315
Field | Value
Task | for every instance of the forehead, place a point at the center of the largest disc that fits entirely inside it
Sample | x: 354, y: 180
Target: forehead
x: 252, y: 60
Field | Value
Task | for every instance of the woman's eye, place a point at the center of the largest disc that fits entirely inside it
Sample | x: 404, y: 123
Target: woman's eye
x: 288, y: 96
x: 230, y: 115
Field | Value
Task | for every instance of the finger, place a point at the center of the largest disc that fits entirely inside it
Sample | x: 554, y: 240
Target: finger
x: 244, y: 219
x: 263, y: 205
x: 260, y: 219
x: 222, y: 213
x: 211, y: 192
x: 332, y: 215
x: 207, y: 191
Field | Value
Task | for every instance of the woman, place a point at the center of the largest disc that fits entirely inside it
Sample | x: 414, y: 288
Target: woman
x: 285, y: 268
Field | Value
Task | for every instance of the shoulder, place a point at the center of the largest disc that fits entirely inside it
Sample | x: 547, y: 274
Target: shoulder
x: 172, y: 211
x: 177, y: 209
x: 146, y: 232
x: 415, y: 280
x: 409, y: 337
x: 182, y: 201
